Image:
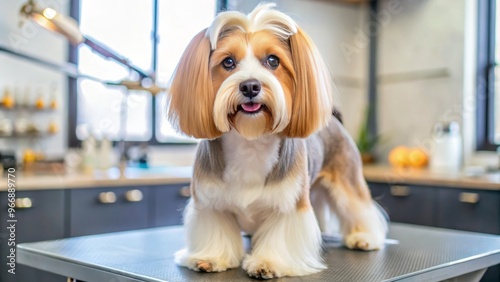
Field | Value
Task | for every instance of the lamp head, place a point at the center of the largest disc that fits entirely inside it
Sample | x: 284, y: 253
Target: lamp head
x: 52, y: 20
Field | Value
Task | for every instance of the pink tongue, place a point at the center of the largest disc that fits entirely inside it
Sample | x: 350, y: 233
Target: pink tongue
x: 251, y: 107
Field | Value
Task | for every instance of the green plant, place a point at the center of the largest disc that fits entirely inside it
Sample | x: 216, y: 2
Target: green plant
x: 366, y: 141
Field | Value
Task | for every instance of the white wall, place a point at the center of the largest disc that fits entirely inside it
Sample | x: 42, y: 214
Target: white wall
x: 428, y: 35
x: 425, y: 35
x: 15, y: 72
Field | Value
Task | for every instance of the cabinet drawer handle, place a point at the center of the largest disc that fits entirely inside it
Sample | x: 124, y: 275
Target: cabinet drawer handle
x: 107, y: 197
x: 469, y: 198
x: 134, y: 195
x: 400, y: 191
x: 185, y: 192
x: 23, y: 203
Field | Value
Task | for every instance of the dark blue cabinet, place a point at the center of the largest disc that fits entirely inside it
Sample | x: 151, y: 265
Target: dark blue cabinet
x: 43, y: 220
x: 103, y: 210
x: 56, y: 214
x: 472, y: 210
x: 462, y: 209
x: 168, y: 204
x: 399, y: 200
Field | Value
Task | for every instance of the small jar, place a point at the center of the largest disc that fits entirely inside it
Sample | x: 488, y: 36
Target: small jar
x: 6, y: 127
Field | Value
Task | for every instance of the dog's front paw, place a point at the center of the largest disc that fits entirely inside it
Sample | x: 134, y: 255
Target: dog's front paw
x: 259, y: 268
x: 203, y: 264
x: 363, y: 241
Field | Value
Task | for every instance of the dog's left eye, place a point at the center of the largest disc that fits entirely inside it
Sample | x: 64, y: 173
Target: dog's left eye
x: 228, y: 63
x: 272, y: 61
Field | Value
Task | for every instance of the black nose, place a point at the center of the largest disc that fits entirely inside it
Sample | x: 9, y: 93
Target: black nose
x: 250, y: 88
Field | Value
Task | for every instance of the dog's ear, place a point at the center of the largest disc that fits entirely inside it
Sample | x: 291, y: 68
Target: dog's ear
x: 312, y: 101
x: 191, y: 96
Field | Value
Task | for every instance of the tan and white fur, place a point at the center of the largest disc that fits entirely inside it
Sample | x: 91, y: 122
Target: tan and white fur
x: 255, y: 88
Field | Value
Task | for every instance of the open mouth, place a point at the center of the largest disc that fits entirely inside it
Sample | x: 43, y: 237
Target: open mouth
x: 250, y: 107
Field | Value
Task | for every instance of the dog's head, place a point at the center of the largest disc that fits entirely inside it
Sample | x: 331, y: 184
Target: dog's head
x: 257, y: 73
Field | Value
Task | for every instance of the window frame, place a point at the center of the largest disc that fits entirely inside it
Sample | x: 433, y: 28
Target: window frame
x: 73, y: 141
x: 485, y: 96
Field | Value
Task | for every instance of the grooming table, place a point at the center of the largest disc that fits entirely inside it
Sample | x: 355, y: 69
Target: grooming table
x: 413, y: 253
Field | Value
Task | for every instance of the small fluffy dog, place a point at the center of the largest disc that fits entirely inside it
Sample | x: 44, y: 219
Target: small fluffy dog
x: 257, y: 90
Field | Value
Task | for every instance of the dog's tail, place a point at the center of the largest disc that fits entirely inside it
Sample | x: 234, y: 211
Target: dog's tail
x: 338, y: 115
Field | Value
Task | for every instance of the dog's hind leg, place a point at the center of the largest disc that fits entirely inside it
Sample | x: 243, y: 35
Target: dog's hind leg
x: 362, y: 224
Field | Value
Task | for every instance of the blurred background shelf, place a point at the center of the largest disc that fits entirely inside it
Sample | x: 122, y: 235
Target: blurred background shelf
x: 27, y: 135
x: 32, y: 109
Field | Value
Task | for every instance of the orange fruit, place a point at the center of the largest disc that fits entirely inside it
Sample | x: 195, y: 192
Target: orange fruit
x: 399, y: 156
x: 418, y: 158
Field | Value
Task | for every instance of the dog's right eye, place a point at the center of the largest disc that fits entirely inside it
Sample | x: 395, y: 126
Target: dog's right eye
x: 229, y: 63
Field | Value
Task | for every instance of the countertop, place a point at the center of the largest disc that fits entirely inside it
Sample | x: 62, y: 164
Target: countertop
x: 385, y: 174
x: 108, y: 178
x: 182, y: 174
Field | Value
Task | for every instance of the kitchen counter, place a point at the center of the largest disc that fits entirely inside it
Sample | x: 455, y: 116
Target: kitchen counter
x: 182, y: 174
x: 112, y: 177
x: 385, y: 174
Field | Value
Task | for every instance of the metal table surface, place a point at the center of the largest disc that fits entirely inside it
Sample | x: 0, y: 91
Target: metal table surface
x: 419, y: 254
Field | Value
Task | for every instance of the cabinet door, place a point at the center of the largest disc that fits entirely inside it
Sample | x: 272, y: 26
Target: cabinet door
x: 43, y: 220
x: 169, y: 203
x: 407, y: 203
x: 102, y: 210
x: 472, y: 210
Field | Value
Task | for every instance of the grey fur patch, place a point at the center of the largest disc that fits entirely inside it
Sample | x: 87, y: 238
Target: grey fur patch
x: 315, y: 156
x: 286, y: 159
x: 210, y: 158
x: 341, y: 154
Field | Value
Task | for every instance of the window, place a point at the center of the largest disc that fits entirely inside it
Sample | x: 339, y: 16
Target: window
x: 176, y: 30
x: 488, y: 83
x: 128, y: 27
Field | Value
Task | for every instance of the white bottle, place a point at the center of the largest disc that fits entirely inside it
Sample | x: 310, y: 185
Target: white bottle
x: 89, y: 154
x: 446, y: 155
x: 105, y: 154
